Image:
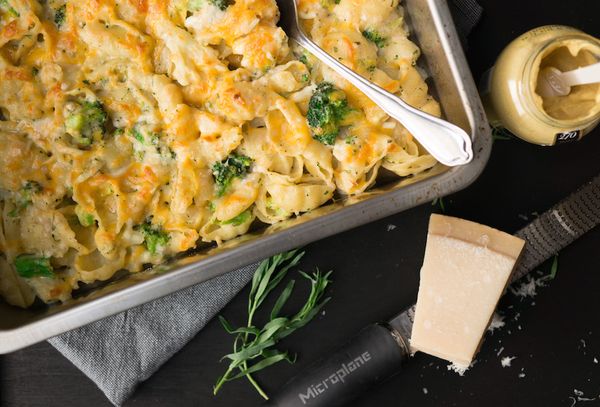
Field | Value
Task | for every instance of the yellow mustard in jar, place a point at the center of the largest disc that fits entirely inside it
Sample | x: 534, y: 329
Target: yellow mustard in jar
x: 511, y: 93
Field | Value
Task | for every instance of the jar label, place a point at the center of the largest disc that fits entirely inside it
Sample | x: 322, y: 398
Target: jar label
x: 567, y: 136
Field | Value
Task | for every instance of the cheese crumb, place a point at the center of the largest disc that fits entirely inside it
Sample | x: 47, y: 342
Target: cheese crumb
x: 458, y: 368
x: 521, y: 375
x: 425, y: 391
x: 507, y: 360
x: 391, y: 227
x: 595, y: 360
x: 529, y: 287
x: 497, y: 322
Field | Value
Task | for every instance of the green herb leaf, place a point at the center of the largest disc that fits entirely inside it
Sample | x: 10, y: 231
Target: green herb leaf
x: 29, y: 266
x: 138, y: 135
x: 304, y: 59
x: 501, y: 134
x: 283, y: 297
x: 254, y: 348
x: 266, y: 284
x: 231, y: 330
x: 439, y: 202
x: 266, y: 362
x: 240, y: 219
x: 554, y: 267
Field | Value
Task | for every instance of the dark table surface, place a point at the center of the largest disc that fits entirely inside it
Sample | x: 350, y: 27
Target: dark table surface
x: 554, y: 336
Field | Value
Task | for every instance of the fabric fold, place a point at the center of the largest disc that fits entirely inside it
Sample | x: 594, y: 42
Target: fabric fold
x: 119, y: 352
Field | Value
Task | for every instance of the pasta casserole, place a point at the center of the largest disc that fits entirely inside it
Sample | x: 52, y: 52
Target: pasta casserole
x: 132, y: 130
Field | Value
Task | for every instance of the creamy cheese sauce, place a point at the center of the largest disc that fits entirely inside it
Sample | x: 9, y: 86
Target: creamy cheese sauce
x: 133, y: 129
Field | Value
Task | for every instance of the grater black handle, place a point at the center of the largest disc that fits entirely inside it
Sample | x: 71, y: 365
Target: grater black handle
x: 372, y: 356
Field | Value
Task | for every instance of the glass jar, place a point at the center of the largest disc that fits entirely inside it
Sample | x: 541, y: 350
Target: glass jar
x: 509, y: 90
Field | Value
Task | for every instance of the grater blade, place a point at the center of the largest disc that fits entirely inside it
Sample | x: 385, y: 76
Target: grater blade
x: 559, y: 227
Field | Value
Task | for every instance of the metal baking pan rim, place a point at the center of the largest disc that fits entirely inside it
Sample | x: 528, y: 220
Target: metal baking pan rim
x: 372, y: 209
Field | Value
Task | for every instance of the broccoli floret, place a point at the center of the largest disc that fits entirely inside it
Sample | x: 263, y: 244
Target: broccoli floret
x: 224, y: 172
x: 221, y: 4
x: 240, y: 219
x: 195, y: 5
x: 24, y: 197
x: 87, y: 123
x: 326, y: 110
x: 29, y: 265
x: 150, y: 138
x: 11, y: 10
x: 375, y: 38
x: 60, y: 15
x: 154, y: 236
x: 329, y: 4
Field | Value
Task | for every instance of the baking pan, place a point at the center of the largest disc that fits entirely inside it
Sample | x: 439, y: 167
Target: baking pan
x: 450, y: 81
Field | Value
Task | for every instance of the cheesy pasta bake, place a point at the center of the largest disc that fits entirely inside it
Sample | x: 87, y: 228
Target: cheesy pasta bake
x: 132, y: 130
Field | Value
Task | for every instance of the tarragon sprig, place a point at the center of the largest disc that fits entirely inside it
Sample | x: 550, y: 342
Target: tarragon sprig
x: 253, y: 347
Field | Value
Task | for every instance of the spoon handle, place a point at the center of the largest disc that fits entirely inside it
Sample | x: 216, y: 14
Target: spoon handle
x: 448, y: 143
x: 582, y: 76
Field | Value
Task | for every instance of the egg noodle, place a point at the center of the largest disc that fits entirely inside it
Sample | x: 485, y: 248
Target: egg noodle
x: 133, y: 129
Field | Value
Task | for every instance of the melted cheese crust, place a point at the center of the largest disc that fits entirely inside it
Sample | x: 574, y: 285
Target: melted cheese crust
x: 184, y: 84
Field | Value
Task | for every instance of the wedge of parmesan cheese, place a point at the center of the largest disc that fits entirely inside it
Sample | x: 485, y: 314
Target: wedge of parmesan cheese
x: 466, y: 269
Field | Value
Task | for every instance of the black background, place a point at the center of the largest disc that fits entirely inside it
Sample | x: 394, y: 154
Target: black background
x: 554, y: 336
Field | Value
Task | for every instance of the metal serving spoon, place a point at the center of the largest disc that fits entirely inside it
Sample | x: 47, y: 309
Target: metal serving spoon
x: 448, y: 143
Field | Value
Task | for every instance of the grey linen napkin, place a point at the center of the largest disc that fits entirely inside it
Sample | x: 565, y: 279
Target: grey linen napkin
x: 119, y: 352
x: 466, y: 15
